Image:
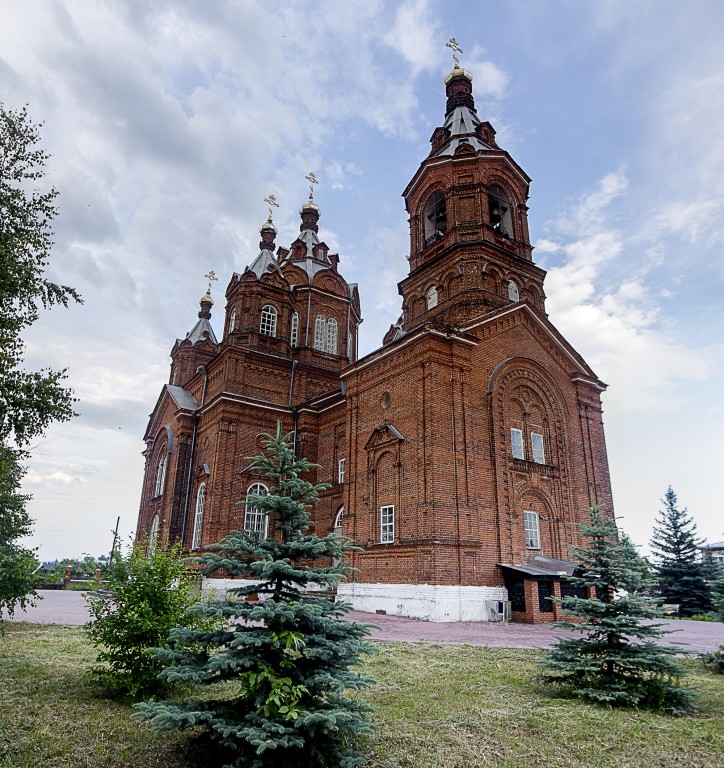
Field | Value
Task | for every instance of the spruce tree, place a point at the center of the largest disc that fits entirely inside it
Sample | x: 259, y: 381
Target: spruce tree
x: 289, y: 655
x: 681, y: 575
x: 614, y: 658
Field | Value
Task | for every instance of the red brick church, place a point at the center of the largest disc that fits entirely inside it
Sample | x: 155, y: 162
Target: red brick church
x: 461, y: 453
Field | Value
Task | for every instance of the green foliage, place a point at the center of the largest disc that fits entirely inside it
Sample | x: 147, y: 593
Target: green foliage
x: 716, y: 660
x: 84, y: 569
x: 614, y: 659
x: 29, y: 401
x: 681, y: 575
x: 290, y: 656
x: 146, y: 596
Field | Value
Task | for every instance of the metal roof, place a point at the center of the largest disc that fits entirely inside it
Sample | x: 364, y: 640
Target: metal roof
x: 182, y: 397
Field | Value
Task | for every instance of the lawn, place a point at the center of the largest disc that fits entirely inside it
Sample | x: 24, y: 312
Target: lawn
x: 437, y: 705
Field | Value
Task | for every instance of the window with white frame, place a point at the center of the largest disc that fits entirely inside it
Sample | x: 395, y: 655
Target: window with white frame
x: 431, y: 297
x: 160, y: 475
x: 153, y: 535
x: 536, y: 442
x: 387, y: 524
x: 340, y: 471
x: 513, y: 291
x: 532, y: 530
x: 332, y: 336
x: 516, y: 443
x: 320, y: 332
x: 294, y: 335
x: 199, y: 516
x: 268, y: 325
x: 256, y: 521
x: 338, y: 521
x: 232, y: 320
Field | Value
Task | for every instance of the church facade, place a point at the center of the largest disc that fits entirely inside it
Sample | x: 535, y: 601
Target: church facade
x: 461, y: 455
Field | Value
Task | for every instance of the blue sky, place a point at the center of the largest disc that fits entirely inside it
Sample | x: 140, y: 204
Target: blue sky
x: 169, y: 122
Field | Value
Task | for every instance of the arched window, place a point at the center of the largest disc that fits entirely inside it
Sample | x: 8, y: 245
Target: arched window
x: 431, y: 297
x: 153, y: 535
x: 338, y: 521
x: 501, y: 219
x: 435, y: 217
x: 256, y: 521
x: 160, y: 475
x: 232, y: 320
x: 320, y: 331
x: 332, y: 336
x: 268, y: 321
x: 513, y: 291
x: 199, y: 516
x: 294, y: 334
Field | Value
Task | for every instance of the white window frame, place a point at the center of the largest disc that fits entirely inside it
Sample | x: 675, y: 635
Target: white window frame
x: 199, y: 516
x: 320, y: 332
x: 340, y: 471
x: 338, y: 519
x: 268, y: 325
x: 160, y: 475
x: 232, y: 320
x: 537, y: 448
x: 513, y: 291
x: 153, y: 534
x: 517, y: 447
x: 332, y: 336
x: 256, y: 522
x: 431, y: 297
x: 294, y: 334
x: 531, y: 527
x: 387, y: 524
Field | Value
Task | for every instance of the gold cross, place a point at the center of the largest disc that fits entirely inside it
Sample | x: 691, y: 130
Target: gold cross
x: 312, y: 179
x: 272, y: 201
x: 211, y: 277
x: 452, y: 43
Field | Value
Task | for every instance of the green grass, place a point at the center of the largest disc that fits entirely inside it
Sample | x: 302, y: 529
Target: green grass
x: 437, y: 705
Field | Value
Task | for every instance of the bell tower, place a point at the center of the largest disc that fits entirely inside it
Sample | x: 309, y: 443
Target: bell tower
x: 470, y: 249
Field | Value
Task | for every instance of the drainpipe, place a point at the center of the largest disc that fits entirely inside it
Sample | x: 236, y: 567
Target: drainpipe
x: 193, y: 450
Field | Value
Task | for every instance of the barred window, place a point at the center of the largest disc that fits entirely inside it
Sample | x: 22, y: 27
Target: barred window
x: 294, y: 334
x: 332, y: 336
x: 268, y: 321
x: 320, y: 330
x: 256, y: 521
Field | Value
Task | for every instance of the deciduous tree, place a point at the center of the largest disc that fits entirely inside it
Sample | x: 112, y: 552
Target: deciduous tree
x: 29, y: 400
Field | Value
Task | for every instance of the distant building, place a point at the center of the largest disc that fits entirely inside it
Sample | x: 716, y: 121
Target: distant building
x: 461, y: 453
x: 714, y: 551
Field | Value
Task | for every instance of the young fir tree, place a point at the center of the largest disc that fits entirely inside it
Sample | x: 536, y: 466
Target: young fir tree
x: 681, y: 575
x: 290, y: 654
x: 614, y: 659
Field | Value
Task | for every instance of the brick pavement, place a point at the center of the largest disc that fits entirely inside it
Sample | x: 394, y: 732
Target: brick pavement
x: 70, y: 608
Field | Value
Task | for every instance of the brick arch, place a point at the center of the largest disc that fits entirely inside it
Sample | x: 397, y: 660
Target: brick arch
x: 495, y: 276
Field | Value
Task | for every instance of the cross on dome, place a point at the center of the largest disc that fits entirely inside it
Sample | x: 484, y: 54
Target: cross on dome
x: 312, y: 179
x: 452, y: 44
x: 271, y: 201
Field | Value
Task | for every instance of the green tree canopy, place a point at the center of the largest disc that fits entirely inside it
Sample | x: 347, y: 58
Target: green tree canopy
x: 681, y: 575
x: 289, y: 654
x: 614, y: 658
x: 29, y: 400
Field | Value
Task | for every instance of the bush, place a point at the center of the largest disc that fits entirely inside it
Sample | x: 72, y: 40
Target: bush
x: 145, y: 597
x: 716, y: 660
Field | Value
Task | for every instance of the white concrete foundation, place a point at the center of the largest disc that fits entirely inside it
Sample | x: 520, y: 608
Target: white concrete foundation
x: 221, y: 586
x: 432, y: 602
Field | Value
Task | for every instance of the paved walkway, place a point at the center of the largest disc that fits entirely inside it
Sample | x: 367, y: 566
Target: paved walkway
x: 60, y: 607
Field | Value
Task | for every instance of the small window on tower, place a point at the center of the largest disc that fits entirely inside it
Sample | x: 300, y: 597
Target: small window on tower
x: 294, y: 335
x: 431, y: 297
x: 332, y: 336
x: 435, y: 217
x: 268, y: 325
x: 499, y: 211
x: 513, y: 291
x: 320, y: 331
x: 232, y: 320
